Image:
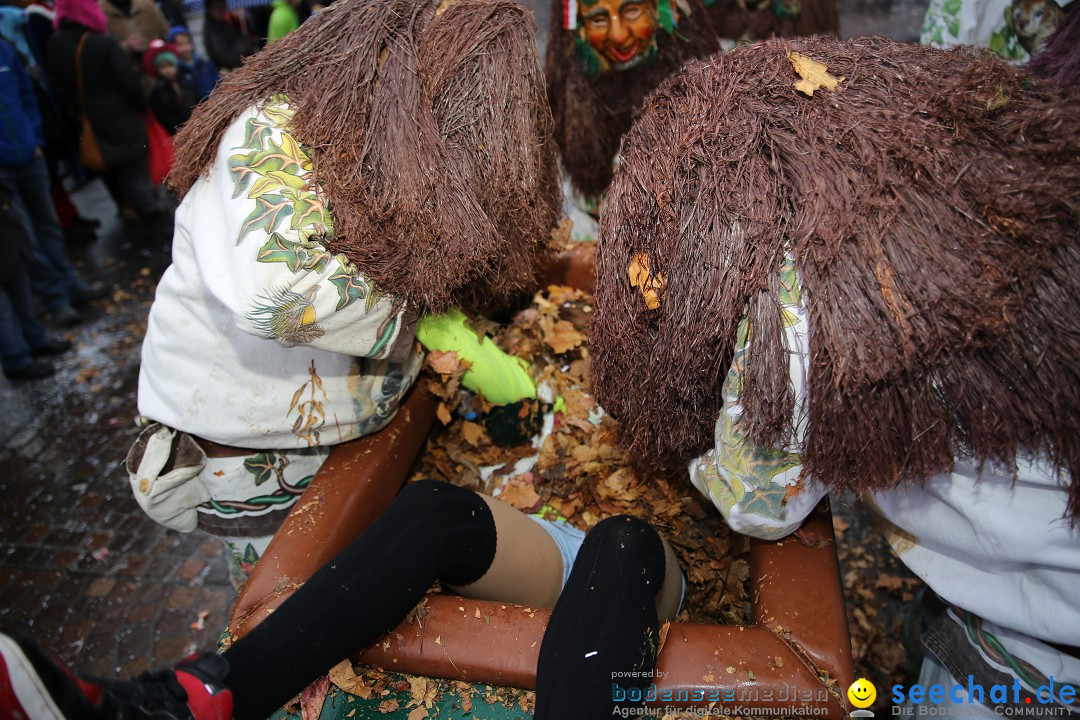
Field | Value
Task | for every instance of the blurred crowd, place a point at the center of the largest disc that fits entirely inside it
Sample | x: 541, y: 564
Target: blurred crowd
x: 97, y: 89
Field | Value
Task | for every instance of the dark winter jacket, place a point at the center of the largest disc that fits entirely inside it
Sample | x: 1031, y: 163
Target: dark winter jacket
x: 172, y: 103
x: 202, y: 74
x: 20, y: 120
x: 226, y: 45
x: 114, y: 94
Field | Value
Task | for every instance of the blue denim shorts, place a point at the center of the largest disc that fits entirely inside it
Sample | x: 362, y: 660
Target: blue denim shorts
x: 567, y: 537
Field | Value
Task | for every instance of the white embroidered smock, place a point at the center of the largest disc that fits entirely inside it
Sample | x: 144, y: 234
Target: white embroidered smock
x: 259, y: 337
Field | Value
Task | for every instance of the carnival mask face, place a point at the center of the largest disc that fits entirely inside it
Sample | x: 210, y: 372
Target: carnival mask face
x: 621, y: 33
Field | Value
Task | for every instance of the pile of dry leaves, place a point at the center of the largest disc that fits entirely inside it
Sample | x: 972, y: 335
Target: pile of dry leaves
x: 580, y: 473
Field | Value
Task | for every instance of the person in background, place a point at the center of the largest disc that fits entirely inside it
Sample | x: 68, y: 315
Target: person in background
x: 226, y: 45
x: 134, y: 23
x: 200, y: 71
x: 114, y: 105
x: 28, y: 31
x: 173, y: 10
x: 173, y: 95
x: 22, y: 338
x: 283, y: 19
x: 23, y: 171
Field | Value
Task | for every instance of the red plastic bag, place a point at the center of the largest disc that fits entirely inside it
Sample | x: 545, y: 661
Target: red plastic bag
x: 160, y: 145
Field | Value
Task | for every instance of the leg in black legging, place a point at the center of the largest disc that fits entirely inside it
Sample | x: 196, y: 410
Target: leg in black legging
x: 605, y: 621
x: 432, y: 531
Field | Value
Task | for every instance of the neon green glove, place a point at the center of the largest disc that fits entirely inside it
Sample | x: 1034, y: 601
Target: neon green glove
x: 502, y: 378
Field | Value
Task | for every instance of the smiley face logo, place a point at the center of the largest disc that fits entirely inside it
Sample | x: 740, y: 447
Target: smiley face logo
x: 862, y: 693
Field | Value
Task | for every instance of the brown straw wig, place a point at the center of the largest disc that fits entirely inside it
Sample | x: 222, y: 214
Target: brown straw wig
x: 931, y: 205
x: 429, y: 132
x: 594, y: 110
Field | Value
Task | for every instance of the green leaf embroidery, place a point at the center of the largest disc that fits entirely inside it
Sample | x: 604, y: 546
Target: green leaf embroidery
x: 308, y: 211
x: 269, y: 211
x: 306, y: 255
x: 261, y: 466
x: 241, y: 172
x: 278, y: 111
x: 256, y: 133
x: 350, y: 287
x: 250, y: 556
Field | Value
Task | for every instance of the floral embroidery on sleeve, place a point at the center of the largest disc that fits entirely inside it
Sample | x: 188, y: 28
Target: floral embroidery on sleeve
x: 275, y: 172
x: 756, y: 488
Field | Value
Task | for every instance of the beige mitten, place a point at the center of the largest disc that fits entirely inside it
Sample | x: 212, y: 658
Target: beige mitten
x: 163, y: 466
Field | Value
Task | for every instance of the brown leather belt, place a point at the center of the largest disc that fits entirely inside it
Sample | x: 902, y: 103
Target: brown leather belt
x: 217, y: 450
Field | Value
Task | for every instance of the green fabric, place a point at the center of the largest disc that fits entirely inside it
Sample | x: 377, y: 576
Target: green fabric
x: 283, y: 20
x: 340, y: 705
x: 501, y: 378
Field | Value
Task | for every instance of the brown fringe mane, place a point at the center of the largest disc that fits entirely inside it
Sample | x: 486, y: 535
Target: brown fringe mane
x: 429, y: 133
x: 932, y: 207
x: 593, y: 112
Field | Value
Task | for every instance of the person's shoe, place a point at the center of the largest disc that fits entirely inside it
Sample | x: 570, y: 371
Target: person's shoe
x: 65, y: 317
x: 35, y: 370
x: 90, y: 292
x: 51, y: 346
x: 33, y: 687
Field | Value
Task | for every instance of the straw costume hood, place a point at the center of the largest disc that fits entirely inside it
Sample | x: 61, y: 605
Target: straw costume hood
x: 428, y: 133
x: 593, y: 104
x: 930, y: 204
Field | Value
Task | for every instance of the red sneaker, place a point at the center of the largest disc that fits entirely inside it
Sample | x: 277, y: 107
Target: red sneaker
x: 33, y: 687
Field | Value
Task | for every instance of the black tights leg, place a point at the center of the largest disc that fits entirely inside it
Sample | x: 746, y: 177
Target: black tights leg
x: 432, y: 531
x: 604, y: 622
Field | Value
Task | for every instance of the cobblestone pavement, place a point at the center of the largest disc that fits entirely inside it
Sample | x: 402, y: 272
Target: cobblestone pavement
x: 82, y: 569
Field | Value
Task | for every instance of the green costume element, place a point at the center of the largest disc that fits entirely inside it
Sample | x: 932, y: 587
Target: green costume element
x: 283, y: 20
x: 501, y: 378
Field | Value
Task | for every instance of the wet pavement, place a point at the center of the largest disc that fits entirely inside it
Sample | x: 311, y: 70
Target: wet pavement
x: 82, y: 569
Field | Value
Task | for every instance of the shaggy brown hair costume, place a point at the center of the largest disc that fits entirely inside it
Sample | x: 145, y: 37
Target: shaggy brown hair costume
x: 594, y: 110
x: 931, y: 205
x: 429, y: 132
x: 739, y: 20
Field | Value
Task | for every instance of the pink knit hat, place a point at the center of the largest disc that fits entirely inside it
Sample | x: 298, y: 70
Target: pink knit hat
x: 84, y: 12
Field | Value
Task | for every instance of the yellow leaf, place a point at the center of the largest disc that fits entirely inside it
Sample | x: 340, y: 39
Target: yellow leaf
x: 563, y: 337
x: 344, y: 677
x: 444, y: 363
x: 473, y: 433
x: 519, y: 492
x: 651, y: 285
x: 813, y: 74
x: 423, y: 691
x: 443, y: 414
